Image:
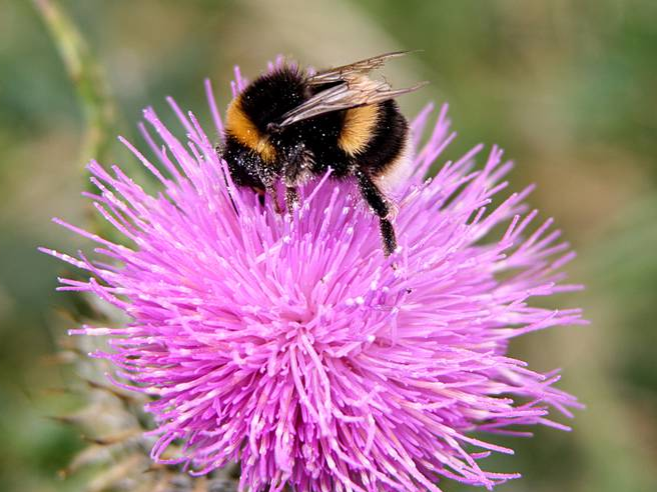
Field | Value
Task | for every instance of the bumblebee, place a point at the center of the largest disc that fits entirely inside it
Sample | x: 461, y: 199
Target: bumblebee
x: 292, y: 124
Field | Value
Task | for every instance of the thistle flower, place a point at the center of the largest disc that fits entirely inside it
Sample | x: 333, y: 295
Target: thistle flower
x: 292, y: 345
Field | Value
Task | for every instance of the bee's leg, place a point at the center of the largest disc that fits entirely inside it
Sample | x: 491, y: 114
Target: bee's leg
x: 299, y: 162
x: 291, y: 197
x: 375, y: 199
x: 261, y: 195
x: 271, y: 191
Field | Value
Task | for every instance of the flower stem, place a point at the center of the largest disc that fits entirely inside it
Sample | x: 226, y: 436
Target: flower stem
x: 87, y: 77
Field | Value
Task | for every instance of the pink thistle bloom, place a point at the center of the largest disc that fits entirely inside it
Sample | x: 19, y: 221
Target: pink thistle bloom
x: 292, y: 345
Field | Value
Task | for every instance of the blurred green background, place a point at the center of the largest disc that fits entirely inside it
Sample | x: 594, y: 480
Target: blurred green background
x: 568, y: 88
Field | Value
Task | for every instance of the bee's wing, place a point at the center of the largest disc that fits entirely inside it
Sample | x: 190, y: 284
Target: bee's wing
x: 353, y: 92
x: 338, y: 74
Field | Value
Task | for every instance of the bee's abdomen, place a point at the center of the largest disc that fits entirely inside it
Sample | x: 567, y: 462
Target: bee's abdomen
x: 387, y: 141
x: 358, y: 128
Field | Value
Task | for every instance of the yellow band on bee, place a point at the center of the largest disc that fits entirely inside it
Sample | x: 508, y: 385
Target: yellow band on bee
x: 239, y: 125
x: 359, y: 124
